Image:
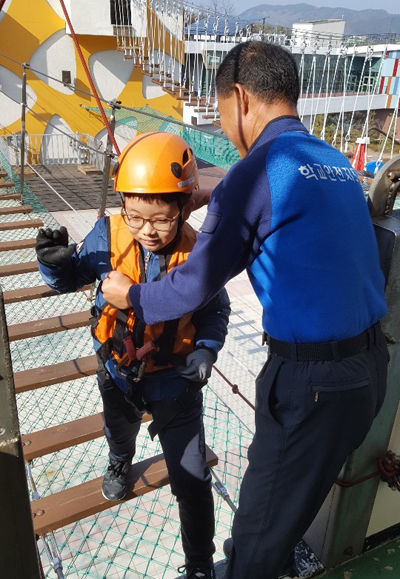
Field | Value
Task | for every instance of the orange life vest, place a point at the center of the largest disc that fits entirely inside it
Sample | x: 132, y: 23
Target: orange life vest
x: 125, y: 257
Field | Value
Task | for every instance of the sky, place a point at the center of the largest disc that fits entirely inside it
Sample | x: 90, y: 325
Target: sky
x: 391, y: 6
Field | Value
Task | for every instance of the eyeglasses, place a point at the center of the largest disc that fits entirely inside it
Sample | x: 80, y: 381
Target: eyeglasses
x: 136, y: 222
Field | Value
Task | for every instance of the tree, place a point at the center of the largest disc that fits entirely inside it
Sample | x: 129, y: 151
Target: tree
x: 221, y: 7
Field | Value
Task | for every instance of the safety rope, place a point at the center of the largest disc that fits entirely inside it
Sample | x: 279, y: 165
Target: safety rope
x: 235, y: 388
x: 388, y: 467
x: 89, y: 77
x: 388, y: 470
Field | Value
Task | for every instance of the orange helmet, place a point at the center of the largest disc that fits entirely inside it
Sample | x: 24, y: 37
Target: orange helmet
x: 156, y: 163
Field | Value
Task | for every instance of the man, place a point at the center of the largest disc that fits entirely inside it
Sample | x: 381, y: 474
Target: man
x: 293, y: 214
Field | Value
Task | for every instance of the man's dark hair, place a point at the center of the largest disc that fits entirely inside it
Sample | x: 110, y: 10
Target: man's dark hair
x: 267, y: 71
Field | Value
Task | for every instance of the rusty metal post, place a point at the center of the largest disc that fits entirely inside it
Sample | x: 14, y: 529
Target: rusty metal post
x: 107, y: 163
x: 18, y: 552
x: 23, y: 132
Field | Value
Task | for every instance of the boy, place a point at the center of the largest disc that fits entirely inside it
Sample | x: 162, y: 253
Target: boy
x: 160, y: 368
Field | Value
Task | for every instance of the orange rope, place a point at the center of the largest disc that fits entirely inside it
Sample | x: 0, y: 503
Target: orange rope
x: 92, y: 85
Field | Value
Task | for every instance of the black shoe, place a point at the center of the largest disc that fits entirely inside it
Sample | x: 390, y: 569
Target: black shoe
x: 228, y: 546
x: 287, y: 570
x: 198, y: 569
x: 115, y: 480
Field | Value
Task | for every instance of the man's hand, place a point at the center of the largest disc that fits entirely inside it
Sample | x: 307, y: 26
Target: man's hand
x: 52, y: 247
x: 201, y: 197
x: 115, y: 290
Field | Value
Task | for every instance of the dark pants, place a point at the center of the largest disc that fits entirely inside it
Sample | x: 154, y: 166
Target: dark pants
x: 182, y: 441
x: 309, y: 417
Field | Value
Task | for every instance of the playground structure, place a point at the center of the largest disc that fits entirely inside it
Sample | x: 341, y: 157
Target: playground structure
x: 62, y: 123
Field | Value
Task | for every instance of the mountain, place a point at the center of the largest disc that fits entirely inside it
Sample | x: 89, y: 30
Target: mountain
x: 357, y: 21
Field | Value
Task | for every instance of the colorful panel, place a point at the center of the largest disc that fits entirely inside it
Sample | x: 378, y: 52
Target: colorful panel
x: 395, y: 87
x: 387, y: 67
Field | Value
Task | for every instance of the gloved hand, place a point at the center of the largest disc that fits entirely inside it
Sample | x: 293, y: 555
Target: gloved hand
x: 198, y: 365
x: 52, y: 247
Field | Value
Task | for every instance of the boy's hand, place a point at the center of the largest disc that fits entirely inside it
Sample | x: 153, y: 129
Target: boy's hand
x: 115, y: 290
x: 198, y: 365
x: 201, y: 197
x: 52, y: 247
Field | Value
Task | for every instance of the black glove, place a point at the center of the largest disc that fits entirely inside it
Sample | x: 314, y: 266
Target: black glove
x: 198, y: 365
x: 52, y: 247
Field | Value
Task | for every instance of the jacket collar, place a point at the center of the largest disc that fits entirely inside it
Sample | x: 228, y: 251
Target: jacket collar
x: 274, y: 128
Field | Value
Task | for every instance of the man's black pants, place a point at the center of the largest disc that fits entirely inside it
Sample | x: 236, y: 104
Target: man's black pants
x: 183, y: 444
x: 309, y: 417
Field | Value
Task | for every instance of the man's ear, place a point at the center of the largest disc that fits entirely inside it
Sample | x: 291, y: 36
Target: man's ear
x: 187, y: 209
x: 242, y: 98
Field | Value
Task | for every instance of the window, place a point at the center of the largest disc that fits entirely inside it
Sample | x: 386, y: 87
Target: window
x: 120, y: 12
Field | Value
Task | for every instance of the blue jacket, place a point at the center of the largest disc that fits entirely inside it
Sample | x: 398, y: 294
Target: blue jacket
x: 91, y: 262
x: 292, y: 213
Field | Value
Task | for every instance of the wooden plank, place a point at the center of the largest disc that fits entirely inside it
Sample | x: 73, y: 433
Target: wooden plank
x: 32, y: 293
x: 10, y: 197
x: 14, y: 210
x: 19, y: 244
x: 18, y: 268
x: 3, y: 174
x: 65, y: 435
x: 26, y: 224
x: 56, y: 374
x: 89, y: 170
x: 6, y: 184
x: 47, y: 326
x: 56, y: 511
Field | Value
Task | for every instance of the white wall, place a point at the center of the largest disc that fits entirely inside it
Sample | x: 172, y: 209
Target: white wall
x: 54, y: 55
x: 110, y: 72
x: 94, y: 17
x: 56, y: 6
x: 151, y: 90
x: 123, y: 134
x: 57, y: 147
x: 5, y: 8
x: 10, y: 96
x: 311, y: 106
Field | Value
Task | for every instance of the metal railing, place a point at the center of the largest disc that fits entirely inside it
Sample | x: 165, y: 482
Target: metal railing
x: 62, y: 149
x: 77, y: 149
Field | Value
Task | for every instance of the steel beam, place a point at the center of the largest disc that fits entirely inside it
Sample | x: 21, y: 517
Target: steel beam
x: 18, y: 551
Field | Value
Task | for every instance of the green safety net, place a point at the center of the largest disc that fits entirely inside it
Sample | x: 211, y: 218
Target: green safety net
x: 140, y: 538
x: 214, y: 149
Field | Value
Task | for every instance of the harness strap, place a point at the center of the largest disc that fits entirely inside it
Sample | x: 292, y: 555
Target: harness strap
x: 139, y: 327
x: 166, y: 341
x: 120, y: 331
x: 130, y: 403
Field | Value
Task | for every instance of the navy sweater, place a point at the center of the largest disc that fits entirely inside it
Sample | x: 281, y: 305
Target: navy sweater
x: 292, y: 213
